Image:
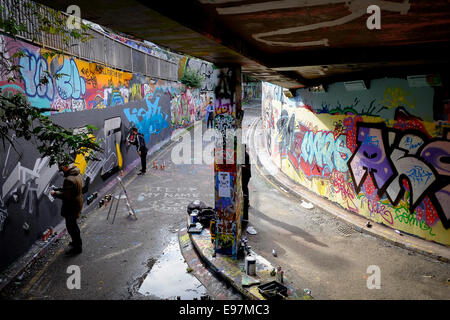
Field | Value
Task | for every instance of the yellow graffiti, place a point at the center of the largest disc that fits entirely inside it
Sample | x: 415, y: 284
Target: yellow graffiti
x: 119, y: 156
x: 225, y: 240
x: 396, y: 97
x: 321, y: 187
x: 80, y: 161
x: 135, y: 92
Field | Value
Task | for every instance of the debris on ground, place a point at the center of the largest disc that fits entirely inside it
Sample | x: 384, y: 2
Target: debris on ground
x: 251, y: 230
x: 274, y: 253
x: 307, y: 205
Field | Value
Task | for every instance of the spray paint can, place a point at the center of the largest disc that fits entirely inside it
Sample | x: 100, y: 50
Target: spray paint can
x: 280, y: 274
x: 193, y: 216
x: 250, y: 265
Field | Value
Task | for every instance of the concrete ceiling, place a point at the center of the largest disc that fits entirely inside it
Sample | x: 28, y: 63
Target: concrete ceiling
x: 292, y: 43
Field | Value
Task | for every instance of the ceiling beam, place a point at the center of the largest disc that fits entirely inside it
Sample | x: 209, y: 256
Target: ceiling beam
x: 417, y: 52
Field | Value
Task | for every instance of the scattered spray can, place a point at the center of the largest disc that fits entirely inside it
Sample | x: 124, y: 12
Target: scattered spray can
x: 250, y: 265
x: 280, y: 274
x: 47, y: 233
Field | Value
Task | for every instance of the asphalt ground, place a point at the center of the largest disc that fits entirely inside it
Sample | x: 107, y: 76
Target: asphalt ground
x: 319, y: 251
x: 118, y: 257
x: 314, y: 248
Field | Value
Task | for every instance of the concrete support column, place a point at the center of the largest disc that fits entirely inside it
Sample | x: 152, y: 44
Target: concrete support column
x: 228, y: 155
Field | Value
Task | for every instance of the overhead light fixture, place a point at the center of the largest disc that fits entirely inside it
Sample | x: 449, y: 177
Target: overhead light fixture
x: 417, y: 81
x: 319, y: 88
x: 423, y: 80
x: 356, y: 85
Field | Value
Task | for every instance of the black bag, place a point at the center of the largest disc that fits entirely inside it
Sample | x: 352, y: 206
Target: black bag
x: 205, y: 216
x: 197, y: 204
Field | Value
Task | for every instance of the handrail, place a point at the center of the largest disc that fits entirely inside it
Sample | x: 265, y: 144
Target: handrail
x: 123, y: 56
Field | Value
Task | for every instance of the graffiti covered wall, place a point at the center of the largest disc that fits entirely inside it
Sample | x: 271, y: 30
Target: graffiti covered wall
x: 380, y: 153
x: 79, y: 93
x: 251, y: 91
x: 206, y: 69
x: 227, y: 171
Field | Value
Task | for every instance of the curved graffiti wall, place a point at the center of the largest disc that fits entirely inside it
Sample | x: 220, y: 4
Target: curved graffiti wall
x: 382, y: 153
x: 83, y: 93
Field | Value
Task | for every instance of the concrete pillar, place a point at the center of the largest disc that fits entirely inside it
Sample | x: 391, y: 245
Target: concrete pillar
x: 228, y: 155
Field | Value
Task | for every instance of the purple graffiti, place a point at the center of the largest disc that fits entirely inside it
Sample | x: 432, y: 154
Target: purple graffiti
x: 437, y: 153
x: 410, y: 155
x: 370, y: 158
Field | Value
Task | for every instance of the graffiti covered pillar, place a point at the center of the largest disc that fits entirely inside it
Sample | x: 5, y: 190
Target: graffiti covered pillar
x: 228, y: 153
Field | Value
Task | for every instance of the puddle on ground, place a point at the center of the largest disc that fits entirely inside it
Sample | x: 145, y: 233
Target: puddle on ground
x: 169, y: 278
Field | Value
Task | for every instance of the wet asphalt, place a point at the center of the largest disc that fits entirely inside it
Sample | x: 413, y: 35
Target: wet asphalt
x: 140, y: 258
x: 128, y: 258
x: 321, y: 252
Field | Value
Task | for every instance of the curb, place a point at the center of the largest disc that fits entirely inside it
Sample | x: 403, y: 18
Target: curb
x: 212, y: 267
x: 39, y: 248
x: 201, y: 271
x: 403, y: 240
x: 230, y: 274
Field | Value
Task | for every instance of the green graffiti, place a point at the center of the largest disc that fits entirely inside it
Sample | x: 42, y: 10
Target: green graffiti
x: 402, y: 215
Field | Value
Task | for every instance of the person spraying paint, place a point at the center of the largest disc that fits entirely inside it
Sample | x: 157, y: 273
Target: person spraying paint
x: 136, y: 138
x: 72, y: 204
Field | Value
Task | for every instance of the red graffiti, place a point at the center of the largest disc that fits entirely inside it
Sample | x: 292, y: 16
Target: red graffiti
x: 376, y: 208
x: 426, y: 212
x: 369, y: 187
x: 345, y: 189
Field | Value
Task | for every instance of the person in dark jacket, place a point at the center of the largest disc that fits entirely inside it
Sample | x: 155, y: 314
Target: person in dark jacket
x: 138, y: 140
x: 246, y: 175
x: 209, y: 118
x: 72, y: 204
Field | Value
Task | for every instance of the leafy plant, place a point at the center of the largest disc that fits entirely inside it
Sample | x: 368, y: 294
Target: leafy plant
x: 18, y: 119
x: 21, y: 120
x: 192, y: 78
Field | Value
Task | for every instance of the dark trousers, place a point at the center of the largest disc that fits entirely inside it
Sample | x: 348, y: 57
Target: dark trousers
x: 143, y: 161
x: 74, y: 231
x: 246, y: 200
x: 210, y: 122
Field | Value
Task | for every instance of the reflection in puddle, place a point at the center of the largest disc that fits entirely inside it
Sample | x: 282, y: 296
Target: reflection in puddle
x: 169, y: 278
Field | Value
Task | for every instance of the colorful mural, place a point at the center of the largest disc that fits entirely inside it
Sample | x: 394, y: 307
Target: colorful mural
x: 227, y: 174
x: 74, y: 85
x: 111, y: 100
x: 206, y: 69
x: 377, y: 152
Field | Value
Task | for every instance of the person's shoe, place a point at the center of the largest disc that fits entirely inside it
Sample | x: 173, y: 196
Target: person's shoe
x: 141, y: 173
x: 73, y: 251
